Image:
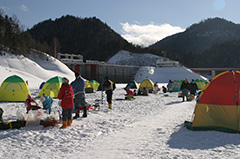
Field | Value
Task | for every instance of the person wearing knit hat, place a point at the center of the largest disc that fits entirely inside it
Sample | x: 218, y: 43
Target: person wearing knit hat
x: 67, y: 102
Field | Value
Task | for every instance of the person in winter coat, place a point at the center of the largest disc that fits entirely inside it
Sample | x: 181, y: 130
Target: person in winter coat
x: 170, y: 86
x: 47, y: 103
x: 78, y: 86
x: 164, y: 89
x: 145, y: 91
x: 67, y: 102
x: 31, y: 104
x: 129, y: 94
x: 108, y: 86
x: 185, y: 89
x: 156, y: 89
x: 193, y: 87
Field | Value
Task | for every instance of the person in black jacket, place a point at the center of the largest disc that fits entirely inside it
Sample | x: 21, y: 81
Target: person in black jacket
x: 193, y: 87
x: 109, y: 86
x: 185, y: 89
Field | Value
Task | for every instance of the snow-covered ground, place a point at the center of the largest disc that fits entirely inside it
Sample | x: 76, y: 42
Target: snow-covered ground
x: 150, y: 127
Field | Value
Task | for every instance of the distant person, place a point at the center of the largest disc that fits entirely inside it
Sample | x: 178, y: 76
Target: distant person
x: 156, y: 89
x: 193, y: 87
x: 185, y: 89
x: 67, y: 102
x: 164, y: 89
x: 78, y: 86
x: 1, y: 113
x: 170, y: 86
x: 109, y: 86
x: 145, y: 91
x: 47, y: 103
x: 129, y: 94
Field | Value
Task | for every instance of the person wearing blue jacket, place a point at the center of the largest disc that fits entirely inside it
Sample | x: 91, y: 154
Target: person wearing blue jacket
x: 47, y: 103
x: 78, y: 86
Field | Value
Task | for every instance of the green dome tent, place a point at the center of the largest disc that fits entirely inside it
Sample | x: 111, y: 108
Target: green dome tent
x: 51, y: 87
x: 95, y: 84
x: 132, y: 85
x: 14, y: 89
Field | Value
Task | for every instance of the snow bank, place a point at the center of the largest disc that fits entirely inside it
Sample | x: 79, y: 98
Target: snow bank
x: 163, y: 74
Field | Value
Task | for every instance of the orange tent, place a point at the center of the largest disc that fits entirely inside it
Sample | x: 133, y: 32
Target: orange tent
x: 218, y: 107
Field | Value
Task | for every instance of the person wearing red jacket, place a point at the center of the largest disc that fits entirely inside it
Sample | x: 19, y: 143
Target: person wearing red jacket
x: 65, y: 95
x: 129, y: 93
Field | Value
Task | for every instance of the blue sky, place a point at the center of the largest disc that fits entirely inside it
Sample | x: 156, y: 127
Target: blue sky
x: 141, y: 22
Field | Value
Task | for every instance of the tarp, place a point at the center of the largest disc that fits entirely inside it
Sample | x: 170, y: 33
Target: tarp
x: 14, y: 89
x: 218, y: 107
x: 51, y: 87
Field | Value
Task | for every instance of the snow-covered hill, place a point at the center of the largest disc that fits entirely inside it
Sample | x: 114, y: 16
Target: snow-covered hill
x: 35, y: 68
x: 127, y: 58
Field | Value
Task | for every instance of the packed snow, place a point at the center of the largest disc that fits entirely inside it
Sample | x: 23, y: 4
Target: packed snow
x: 150, y: 127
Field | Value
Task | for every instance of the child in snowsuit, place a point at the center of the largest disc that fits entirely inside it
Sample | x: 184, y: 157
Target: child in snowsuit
x: 47, y: 103
x: 67, y: 102
x: 129, y: 93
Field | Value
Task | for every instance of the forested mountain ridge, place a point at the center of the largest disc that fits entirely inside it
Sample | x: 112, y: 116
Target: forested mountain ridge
x: 192, y: 46
x: 88, y: 36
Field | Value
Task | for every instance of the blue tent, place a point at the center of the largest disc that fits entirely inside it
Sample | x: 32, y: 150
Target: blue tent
x: 41, y: 85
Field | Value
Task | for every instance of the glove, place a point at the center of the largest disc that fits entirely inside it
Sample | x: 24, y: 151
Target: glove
x: 59, y: 102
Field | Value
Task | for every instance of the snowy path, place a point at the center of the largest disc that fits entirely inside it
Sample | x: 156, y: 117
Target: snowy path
x: 141, y: 139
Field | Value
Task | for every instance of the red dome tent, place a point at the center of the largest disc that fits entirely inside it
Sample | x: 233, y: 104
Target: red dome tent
x: 218, y: 107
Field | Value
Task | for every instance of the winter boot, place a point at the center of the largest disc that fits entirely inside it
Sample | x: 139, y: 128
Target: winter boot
x: 110, y: 106
x: 69, y: 122
x: 64, y: 124
x: 183, y: 99
x: 84, y: 112
x: 76, y: 113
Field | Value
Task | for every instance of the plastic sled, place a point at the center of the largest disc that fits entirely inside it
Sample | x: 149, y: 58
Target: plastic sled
x: 47, y: 123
